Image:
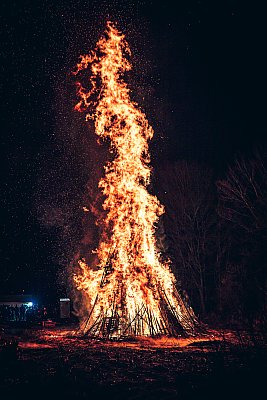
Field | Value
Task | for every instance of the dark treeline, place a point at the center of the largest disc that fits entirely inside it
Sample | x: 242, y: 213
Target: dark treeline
x: 216, y: 236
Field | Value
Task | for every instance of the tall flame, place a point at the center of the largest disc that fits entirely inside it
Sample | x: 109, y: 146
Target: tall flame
x: 131, y: 292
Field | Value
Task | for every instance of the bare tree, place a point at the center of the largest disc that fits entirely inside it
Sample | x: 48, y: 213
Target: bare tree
x: 243, y: 194
x: 243, y: 211
x: 187, y: 192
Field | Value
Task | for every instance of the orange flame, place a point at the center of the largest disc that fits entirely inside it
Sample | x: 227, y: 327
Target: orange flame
x: 131, y: 285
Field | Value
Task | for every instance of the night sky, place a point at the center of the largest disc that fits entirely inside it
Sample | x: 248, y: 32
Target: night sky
x: 197, y: 72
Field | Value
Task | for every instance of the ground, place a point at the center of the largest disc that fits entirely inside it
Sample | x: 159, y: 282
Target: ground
x: 54, y: 363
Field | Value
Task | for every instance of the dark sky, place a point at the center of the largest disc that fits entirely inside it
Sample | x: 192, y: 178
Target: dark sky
x: 198, y: 72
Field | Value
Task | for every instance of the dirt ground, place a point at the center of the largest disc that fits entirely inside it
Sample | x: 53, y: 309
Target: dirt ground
x: 54, y: 363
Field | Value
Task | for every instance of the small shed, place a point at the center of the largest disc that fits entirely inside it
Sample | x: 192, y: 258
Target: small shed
x: 17, y: 300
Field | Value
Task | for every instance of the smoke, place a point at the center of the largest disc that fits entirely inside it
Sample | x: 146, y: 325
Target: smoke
x: 70, y: 167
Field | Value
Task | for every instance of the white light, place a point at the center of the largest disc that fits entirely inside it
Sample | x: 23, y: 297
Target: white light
x: 30, y: 304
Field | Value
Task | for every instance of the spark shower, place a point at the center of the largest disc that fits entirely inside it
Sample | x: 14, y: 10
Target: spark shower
x: 132, y: 292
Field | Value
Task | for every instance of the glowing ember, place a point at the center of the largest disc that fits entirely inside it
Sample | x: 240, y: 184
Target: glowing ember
x: 132, y: 293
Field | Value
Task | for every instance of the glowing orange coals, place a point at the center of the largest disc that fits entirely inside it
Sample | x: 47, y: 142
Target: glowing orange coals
x: 131, y: 292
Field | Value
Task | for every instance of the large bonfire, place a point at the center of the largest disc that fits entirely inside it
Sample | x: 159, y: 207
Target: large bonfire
x: 132, y: 292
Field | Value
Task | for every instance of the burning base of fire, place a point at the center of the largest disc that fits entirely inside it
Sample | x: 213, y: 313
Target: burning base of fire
x: 173, y: 322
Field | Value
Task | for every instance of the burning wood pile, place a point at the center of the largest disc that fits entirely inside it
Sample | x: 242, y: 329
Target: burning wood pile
x: 132, y: 292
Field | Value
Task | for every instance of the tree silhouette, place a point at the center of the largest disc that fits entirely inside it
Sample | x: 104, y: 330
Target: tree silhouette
x: 187, y: 191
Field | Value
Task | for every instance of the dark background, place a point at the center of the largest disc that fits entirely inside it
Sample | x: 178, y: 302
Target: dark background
x: 198, y: 74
